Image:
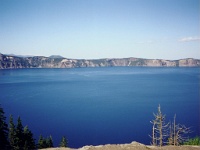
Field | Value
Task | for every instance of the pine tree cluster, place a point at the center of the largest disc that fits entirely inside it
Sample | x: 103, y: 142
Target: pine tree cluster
x: 45, y: 142
x: 18, y: 137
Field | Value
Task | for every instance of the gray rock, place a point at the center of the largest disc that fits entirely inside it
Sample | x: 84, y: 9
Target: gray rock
x: 7, y: 61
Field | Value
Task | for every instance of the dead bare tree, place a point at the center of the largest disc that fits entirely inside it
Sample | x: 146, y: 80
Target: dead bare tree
x: 178, y: 133
x: 171, y: 136
x: 154, y: 139
x: 159, y: 130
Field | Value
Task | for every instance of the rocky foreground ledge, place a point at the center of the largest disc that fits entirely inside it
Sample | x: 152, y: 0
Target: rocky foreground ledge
x: 132, y: 146
x: 13, y: 61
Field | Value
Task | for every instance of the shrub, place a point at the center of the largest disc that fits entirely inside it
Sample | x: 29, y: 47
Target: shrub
x: 193, y: 141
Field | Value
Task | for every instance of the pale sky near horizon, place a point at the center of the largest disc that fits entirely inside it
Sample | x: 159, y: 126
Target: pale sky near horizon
x: 90, y: 29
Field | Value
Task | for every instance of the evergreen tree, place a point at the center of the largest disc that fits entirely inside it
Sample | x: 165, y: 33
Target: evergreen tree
x: 63, y: 142
x: 45, y: 142
x: 3, y: 131
x: 29, y: 142
x: 26, y: 146
x: 40, y: 142
x: 49, y: 141
x: 15, y: 137
x: 19, y: 134
x: 12, y: 134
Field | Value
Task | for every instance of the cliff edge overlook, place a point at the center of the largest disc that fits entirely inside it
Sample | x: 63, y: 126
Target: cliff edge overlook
x: 132, y: 146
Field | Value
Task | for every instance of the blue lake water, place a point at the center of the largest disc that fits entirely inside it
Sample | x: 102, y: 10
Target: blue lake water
x: 93, y: 106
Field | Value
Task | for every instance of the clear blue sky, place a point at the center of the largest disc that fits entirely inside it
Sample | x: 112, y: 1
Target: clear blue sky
x: 167, y: 29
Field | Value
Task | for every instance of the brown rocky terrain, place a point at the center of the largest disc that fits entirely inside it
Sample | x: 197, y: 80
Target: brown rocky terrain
x: 131, y: 146
x: 10, y: 61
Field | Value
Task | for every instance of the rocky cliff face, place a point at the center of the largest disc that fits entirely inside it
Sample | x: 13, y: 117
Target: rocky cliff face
x: 7, y: 61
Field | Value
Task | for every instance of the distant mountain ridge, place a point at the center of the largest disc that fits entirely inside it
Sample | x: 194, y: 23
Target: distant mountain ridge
x: 56, y: 61
x: 55, y: 56
x: 19, y: 55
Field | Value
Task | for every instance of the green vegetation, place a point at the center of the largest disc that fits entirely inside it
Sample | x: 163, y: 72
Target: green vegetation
x: 193, y: 141
x: 12, y: 133
x: 63, y: 142
x: 18, y: 137
x: 45, y: 142
x: 29, y: 142
x: 3, y: 131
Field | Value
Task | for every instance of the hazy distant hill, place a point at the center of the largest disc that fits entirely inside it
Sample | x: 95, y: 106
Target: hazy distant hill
x: 19, y: 55
x: 56, y: 61
x: 55, y: 56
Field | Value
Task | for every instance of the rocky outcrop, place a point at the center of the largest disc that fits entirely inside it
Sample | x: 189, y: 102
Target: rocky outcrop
x: 131, y: 146
x: 10, y: 61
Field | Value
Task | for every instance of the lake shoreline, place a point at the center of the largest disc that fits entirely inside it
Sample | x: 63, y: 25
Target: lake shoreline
x: 14, y: 62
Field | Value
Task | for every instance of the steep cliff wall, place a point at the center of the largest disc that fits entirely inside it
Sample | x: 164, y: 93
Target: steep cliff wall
x: 7, y: 61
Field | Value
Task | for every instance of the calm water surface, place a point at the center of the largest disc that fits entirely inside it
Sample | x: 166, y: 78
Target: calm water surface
x: 100, y: 105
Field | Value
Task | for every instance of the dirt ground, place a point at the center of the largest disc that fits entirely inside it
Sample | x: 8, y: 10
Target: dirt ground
x: 131, y: 146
